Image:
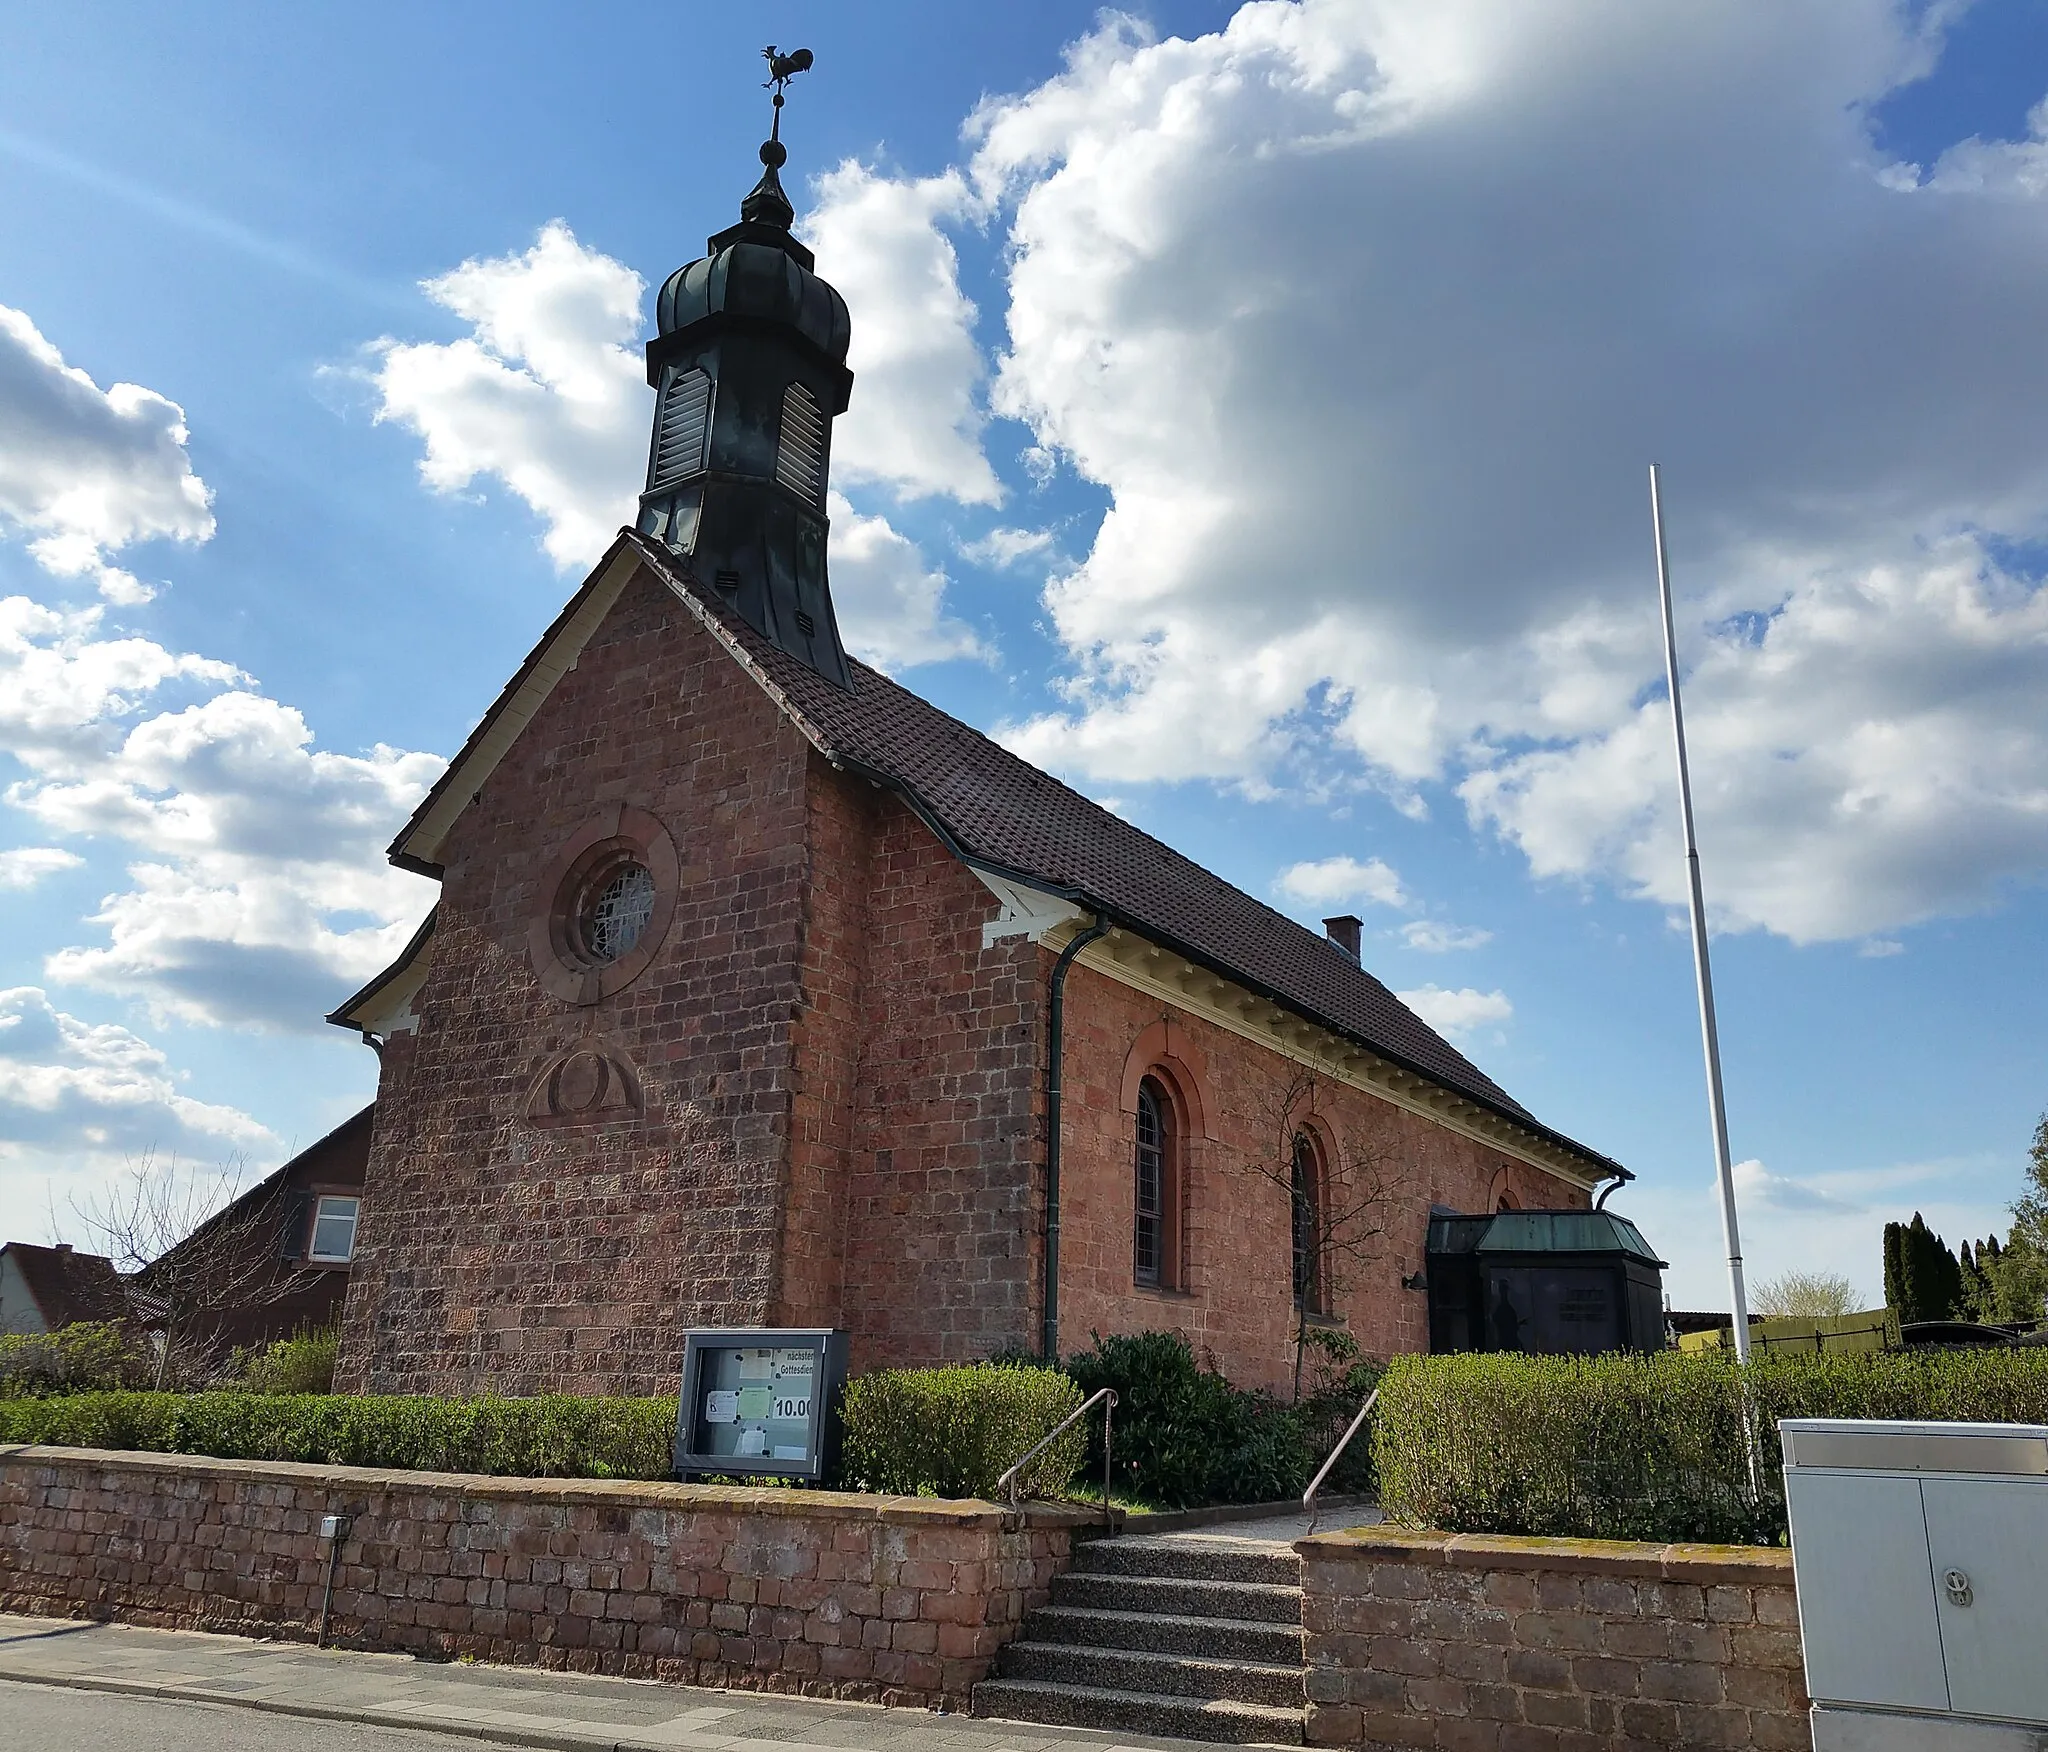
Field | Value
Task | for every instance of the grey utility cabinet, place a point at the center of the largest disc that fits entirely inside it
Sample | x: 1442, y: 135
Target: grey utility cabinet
x: 1921, y: 1553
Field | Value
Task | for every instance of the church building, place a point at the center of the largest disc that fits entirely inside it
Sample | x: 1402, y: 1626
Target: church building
x: 761, y: 992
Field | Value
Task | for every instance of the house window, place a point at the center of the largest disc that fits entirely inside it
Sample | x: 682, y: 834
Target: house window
x: 334, y: 1231
x: 1308, y: 1224
x: 1155, y: 1226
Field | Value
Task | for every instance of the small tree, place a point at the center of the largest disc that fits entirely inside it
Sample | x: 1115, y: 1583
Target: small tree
x: 1805, y: 1295
x: 2019, y: 1284
x: 192, y: 1252
x: 1340, y: 1200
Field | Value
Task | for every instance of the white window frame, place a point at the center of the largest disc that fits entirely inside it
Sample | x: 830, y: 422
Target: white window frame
x: 320, y: 1210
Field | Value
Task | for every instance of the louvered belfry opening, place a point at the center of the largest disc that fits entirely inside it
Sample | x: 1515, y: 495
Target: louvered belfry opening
x: 682, y: 422
x: 749, y: 365
x: 800, y: 448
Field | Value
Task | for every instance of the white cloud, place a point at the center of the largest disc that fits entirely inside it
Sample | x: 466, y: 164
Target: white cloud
x: 1368, y: 314
x: 100, y: 1089
x: 1333, y: 881
x: 84, y: 471
x: 25, y: 866
x: 62, y: 680
x: 1455, y: 1014
x: 547, y: 393
x: 890, y: 603
x: 1434, y: 937
x: 914, y: 423
x: 1757, y: 1187
x: 1879, y: 757
x: 1003, y: 548
x: 261, y: 894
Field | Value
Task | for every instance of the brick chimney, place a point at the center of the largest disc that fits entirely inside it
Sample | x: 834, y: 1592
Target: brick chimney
x: 1344, y: 931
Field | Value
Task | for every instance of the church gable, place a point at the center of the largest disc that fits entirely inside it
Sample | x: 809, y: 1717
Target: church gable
x: 587, y: 1128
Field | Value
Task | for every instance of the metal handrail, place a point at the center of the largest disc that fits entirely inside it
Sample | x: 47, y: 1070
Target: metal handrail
x: 1308, y: 1497
x: 1107, y: 1397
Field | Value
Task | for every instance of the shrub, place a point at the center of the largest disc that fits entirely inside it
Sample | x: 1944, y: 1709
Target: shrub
x: 303, y: 1363
x: 953, y: 1432
x: 74, y: 1359
x: 553, y: 1437
x: 1337, y: 1379
x: 1628, y: 1447
x: 1183, y: 1435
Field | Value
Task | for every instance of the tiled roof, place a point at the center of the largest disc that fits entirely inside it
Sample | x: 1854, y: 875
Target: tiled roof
x: 1000, y: 811
x: 67, y: 1285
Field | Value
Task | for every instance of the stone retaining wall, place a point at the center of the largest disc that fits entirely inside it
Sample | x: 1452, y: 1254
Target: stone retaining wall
x: 881, y: 1599
x: 1486, y: 1644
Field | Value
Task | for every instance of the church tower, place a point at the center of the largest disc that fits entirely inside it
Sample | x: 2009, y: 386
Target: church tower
x: 749, y: 367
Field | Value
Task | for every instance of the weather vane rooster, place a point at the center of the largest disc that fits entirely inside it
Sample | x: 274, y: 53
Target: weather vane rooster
x: 781, y: 70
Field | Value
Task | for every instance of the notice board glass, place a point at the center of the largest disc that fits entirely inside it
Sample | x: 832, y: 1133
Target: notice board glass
x: 760, y: 1402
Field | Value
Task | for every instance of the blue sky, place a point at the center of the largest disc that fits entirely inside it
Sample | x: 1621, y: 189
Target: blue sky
x: 1251, y: 425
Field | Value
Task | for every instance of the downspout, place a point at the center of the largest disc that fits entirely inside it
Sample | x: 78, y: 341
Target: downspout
x: 1621, y: 1178
x: 1050, y: 1338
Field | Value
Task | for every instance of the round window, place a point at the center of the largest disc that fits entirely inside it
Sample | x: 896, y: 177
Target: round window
x: 617, y: 906
x: 611, y: 894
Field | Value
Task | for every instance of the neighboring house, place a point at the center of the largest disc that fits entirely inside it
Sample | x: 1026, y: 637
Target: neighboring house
x: 761, y: 992
x: 277, y: 1259
x: 43, y: 1289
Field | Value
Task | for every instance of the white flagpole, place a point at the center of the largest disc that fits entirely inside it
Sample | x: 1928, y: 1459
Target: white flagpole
x: 1739, y: 1301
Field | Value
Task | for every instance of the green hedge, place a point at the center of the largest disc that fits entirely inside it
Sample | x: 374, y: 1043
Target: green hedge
x: 1623, y: 1447
x: 554, y: 1437
x: 953, y: 1432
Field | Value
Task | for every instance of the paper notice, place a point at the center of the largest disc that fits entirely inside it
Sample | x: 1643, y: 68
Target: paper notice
x: 721, y: 1405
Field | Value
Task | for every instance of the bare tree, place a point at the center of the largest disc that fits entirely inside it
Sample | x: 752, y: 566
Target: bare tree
x: 193, y: 1250
x: 1341, y: 1197
x: 1806, y: 1294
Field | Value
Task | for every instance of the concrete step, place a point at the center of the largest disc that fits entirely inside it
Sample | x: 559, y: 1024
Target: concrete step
x: 1165, y: 1633
x: 1155, y: 1675
x: 1137, y: 1712
x: 1195, y: 1560
x: 1267, y: 1602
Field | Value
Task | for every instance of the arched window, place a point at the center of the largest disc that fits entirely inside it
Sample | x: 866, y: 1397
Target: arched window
x: 1155, y: 1219
x: 800, y: 447
x: 1308, y: 1224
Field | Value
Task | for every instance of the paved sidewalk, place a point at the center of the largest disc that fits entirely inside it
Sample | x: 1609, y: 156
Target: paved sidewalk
x: 503, y: 1706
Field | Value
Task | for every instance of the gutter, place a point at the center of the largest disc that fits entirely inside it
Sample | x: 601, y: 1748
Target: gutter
x: 1050, y: 1337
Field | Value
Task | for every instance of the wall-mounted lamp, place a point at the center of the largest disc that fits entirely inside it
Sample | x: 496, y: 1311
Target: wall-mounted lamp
x: 1414, y: 1281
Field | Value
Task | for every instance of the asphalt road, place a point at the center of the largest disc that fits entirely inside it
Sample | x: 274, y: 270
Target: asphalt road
x: 49, y: 1718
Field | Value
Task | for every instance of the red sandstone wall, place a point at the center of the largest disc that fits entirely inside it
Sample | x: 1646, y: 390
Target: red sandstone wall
x: 944, y: 1190
x: 881, y: 1599
x: 1238, y: 1300
x: 497, y: 1255
x: 1483, y: 1643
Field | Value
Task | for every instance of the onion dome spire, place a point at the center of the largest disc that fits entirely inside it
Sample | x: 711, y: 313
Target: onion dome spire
x: 749, y: 362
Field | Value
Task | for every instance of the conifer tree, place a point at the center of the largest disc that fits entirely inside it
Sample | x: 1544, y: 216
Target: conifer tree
x: 1922, y: 1279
